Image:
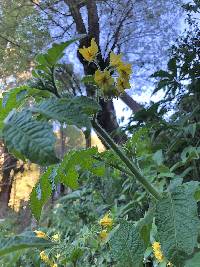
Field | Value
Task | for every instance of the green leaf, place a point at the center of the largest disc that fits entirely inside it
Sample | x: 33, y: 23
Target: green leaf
x: 177, y: 223
x: 88, y: 79
x: 37, y: 94
x: 73, y: 162
x: 127, y: 247
x: 70, y: 179
x: 161, y: 74
x: 73, y: 111
x: 189, y: 153
x: 194, y: 261
x: 88, y: 105
x: 197, y: 194
x: 172, y: 66
x: 41, y: 193
x: 8, y: 102
x: 191, y: 129
x: 24, y: 241
x: 158, y: 157
x: 177, y: 181
x: 31, y: 138
x: 145, y: 224
x: 55, y: 53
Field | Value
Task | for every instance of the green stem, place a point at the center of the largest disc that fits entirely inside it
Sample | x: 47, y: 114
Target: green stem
x: 54, y: 83
x: 131, y: 166
x: 119, y: 168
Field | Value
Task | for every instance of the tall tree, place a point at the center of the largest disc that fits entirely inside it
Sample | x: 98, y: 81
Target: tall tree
x: 22, y: 35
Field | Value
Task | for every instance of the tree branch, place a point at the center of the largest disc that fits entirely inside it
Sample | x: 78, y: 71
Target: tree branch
x: 75, y: 12
x: 93, y: 20
x: 132, y: 104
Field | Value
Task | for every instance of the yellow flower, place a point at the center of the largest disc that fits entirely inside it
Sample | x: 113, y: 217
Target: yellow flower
x: 124, y: 70
x: 44, y: 257
x: 89, y: 53
x: 115, y: 60
x: 40, y: 234
x: 122, y: 84
x: 106, y: 221
x: 103, y: 79
x: 103, y: 234
x: 159, y: 256
x: 56, y: 237
x: 156, y: 246
x: 157, y: 251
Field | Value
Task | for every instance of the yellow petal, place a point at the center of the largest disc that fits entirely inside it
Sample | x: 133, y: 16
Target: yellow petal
x: 40, y: 234
x: 90, y: 52
x: 94, y: 46
x: 125, y: 70
x: 106, y: 221
x: 103, y: 234
x: 156, y: 246
x: 122, y: 84
x: 115, y: 60
x: 56, y: 237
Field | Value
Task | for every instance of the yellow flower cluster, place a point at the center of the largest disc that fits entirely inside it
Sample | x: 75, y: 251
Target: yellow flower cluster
x: 157, y: 251
x: 46, y: 259
x: 106, y: 222
x: 40, y: 234
x: 103, y: 78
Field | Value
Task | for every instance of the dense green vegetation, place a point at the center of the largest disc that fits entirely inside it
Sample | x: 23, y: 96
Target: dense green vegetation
x: 133, y: 205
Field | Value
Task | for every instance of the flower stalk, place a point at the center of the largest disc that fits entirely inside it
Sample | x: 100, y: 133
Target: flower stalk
x: 131, y: 166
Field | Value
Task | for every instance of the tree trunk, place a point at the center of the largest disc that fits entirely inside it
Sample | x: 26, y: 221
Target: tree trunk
x: 107, y: 118
x: 9, y: 163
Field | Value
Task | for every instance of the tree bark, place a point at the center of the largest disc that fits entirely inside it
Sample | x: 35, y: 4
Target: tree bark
x: 9, y: 164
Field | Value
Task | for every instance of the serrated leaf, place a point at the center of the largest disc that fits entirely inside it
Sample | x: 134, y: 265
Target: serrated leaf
x: 73, y: 111
x: 68, y: 170
x: 88, y: 105
x: 31, y: 138
x: 162, y: 84
x: 24, y: 241
x: 70, y: 179
x: 177, y: 224
x: 9, y: 102
x: 127, y: 247
x: 194, y: 261
x: 41, y: 193
x: 144, y: 226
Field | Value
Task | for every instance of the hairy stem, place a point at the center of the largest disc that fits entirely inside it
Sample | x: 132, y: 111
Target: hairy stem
x: 131, y: 166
